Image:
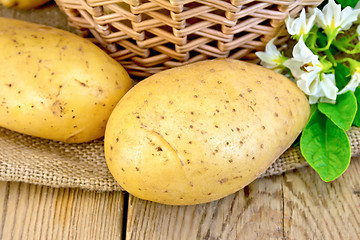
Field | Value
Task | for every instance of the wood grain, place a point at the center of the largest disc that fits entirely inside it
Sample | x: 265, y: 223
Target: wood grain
x: 38, y: 212
x: 255, y: 212
x: 296, y: 205
x: 318, y: 210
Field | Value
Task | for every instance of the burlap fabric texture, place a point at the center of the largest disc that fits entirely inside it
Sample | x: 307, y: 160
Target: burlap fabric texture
x: 45, y: 162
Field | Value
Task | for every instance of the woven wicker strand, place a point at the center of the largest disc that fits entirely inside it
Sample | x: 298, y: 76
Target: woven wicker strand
x: 38, y: 161
x: 148, y: 36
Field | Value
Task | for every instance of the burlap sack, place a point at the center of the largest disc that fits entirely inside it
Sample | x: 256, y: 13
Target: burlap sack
x: 45, y: 162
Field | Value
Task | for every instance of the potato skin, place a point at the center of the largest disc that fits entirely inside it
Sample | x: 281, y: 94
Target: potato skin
x: 200, y: 132
x: 23, y: 4
x: 56, y: 85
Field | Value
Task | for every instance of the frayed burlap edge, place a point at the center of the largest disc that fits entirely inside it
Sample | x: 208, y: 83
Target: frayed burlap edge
x: 38, y: 161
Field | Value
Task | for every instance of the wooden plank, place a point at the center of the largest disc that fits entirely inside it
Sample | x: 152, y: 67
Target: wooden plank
x: 256, y: 212
x: 314, y: 209
x: 37, y: 212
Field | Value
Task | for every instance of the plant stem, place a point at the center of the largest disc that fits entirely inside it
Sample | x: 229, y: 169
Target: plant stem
x: 324, y: 48
x: 341, y: 46
x: 331, y: 57
x: 311, y: 42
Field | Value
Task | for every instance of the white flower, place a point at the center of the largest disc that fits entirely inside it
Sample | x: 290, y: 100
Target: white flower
x: 304, y: 60
x: 333, y: 20
x: 301, y: 25
x: 319, y: 89
x: 352, y: 85
x: 271, y: 58
x: 328, y: 87
x: 308, y: 72
x: 309, y: 83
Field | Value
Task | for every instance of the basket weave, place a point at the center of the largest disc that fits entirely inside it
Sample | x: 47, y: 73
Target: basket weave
x: 148, y: 36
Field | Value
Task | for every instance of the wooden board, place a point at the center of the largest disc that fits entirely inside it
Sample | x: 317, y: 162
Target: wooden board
x: 36, y: 212
x: 255, y: 211
x: 296, y: 205
x: 318, y: 210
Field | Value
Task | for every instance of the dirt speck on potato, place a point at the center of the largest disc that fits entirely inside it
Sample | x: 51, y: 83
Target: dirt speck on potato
x: 218, y: 121
x: 47, y: 62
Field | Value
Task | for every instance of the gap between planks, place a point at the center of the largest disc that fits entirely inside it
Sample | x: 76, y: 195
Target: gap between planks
x: 30, y: 211
x: 295, y: 205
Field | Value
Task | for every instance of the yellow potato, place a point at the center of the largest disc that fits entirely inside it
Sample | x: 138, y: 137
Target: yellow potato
x: 23, y: 4
x: 56, y: 85
x: 200, y: 132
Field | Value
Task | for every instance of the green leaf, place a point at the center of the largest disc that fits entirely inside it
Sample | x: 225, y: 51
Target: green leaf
x: 345, y: 3
x: 343, y: 112
x: 356, y: 121
x: 342, y: 75
x: 325, y: 147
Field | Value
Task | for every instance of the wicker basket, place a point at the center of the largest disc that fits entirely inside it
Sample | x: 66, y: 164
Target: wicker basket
x: 148, y: 36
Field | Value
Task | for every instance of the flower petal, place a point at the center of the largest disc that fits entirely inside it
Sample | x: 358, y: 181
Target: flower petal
x: 332, y: 19
x: 332, y: 12
x: 291, y: 25
x: 323, y: 90
x: 301, y: 25
x: 326, y: 100
x: 295, y: 67
x: 309, y: 83
x: 352, y: 85
x: 327, y: 85
x: 302, y: 53
x: 271, y: 58
x: 303, y: 59
x: 348, y: 16
x: 313, y: 100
